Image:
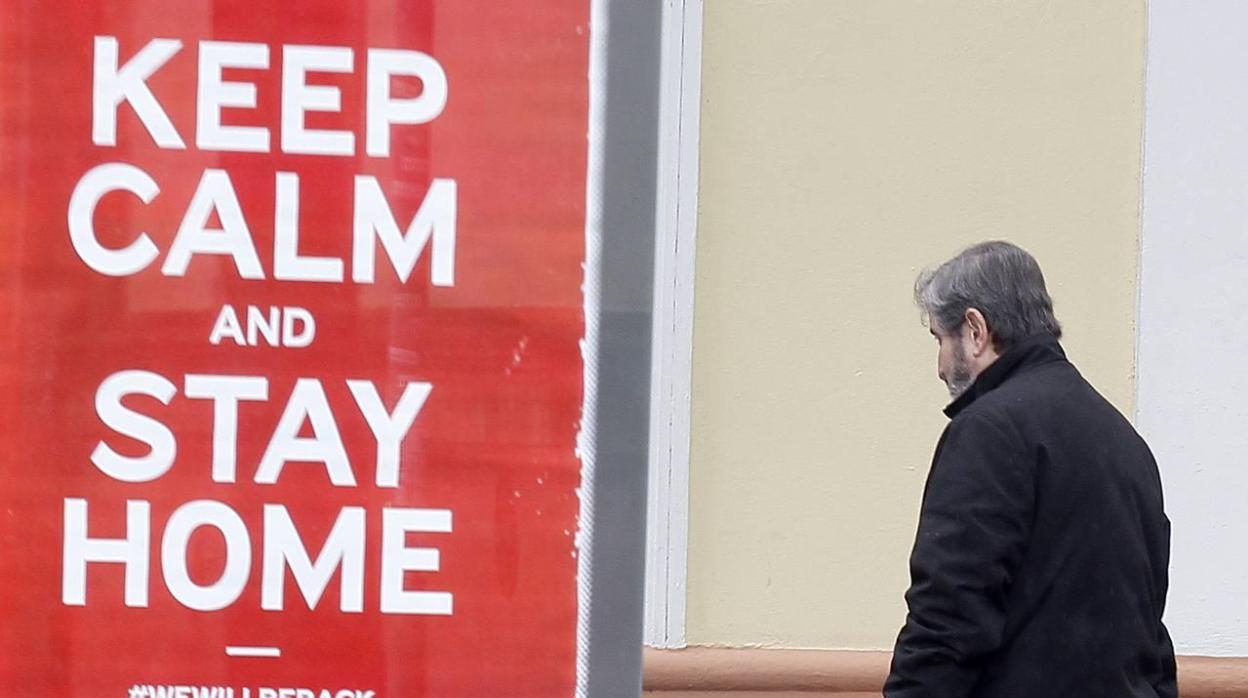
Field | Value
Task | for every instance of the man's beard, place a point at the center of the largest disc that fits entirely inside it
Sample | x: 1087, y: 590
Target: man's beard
x: 960, y: 378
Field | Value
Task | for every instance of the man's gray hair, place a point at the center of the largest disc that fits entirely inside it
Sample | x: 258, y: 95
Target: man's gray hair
x: 1000, y: 280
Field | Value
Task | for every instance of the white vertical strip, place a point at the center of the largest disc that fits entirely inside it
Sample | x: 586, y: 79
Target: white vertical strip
x: 658, y: 499
x: 668, y: 511
x: 586, y: 443
x: 1139, y: 244
x: 1193, y: 332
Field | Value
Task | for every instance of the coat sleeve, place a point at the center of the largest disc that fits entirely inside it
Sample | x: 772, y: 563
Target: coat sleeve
x: 1166, y: 685
x: 973, y: 529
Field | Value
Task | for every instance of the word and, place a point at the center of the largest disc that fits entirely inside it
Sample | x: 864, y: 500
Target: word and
x: 278, y: 327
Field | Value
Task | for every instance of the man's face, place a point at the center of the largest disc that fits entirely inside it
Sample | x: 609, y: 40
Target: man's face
x: 952, y: 364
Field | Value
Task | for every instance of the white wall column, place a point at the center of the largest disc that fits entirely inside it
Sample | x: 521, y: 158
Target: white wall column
x: 1193, y: 331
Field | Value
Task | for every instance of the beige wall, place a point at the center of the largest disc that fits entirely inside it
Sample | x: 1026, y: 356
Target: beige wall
x: 844, y: 146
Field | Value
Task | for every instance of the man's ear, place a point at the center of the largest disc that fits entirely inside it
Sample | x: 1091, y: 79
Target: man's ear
x: 977, y: 329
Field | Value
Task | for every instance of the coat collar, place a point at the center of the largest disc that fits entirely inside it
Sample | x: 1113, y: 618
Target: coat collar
x: 1029, y: 352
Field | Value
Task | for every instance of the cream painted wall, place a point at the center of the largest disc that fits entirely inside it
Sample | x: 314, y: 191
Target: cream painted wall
x: 844, y: 146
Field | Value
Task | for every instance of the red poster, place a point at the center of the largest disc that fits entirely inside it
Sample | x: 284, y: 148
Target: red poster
x: 290, y: 370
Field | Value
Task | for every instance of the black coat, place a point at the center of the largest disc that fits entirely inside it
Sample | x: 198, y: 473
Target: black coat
x: 1040, y: 565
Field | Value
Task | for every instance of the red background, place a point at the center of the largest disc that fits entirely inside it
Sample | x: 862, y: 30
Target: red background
x: 494, y: 443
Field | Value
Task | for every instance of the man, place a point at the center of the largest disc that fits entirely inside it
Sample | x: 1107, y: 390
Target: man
x: 1040, y: 565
